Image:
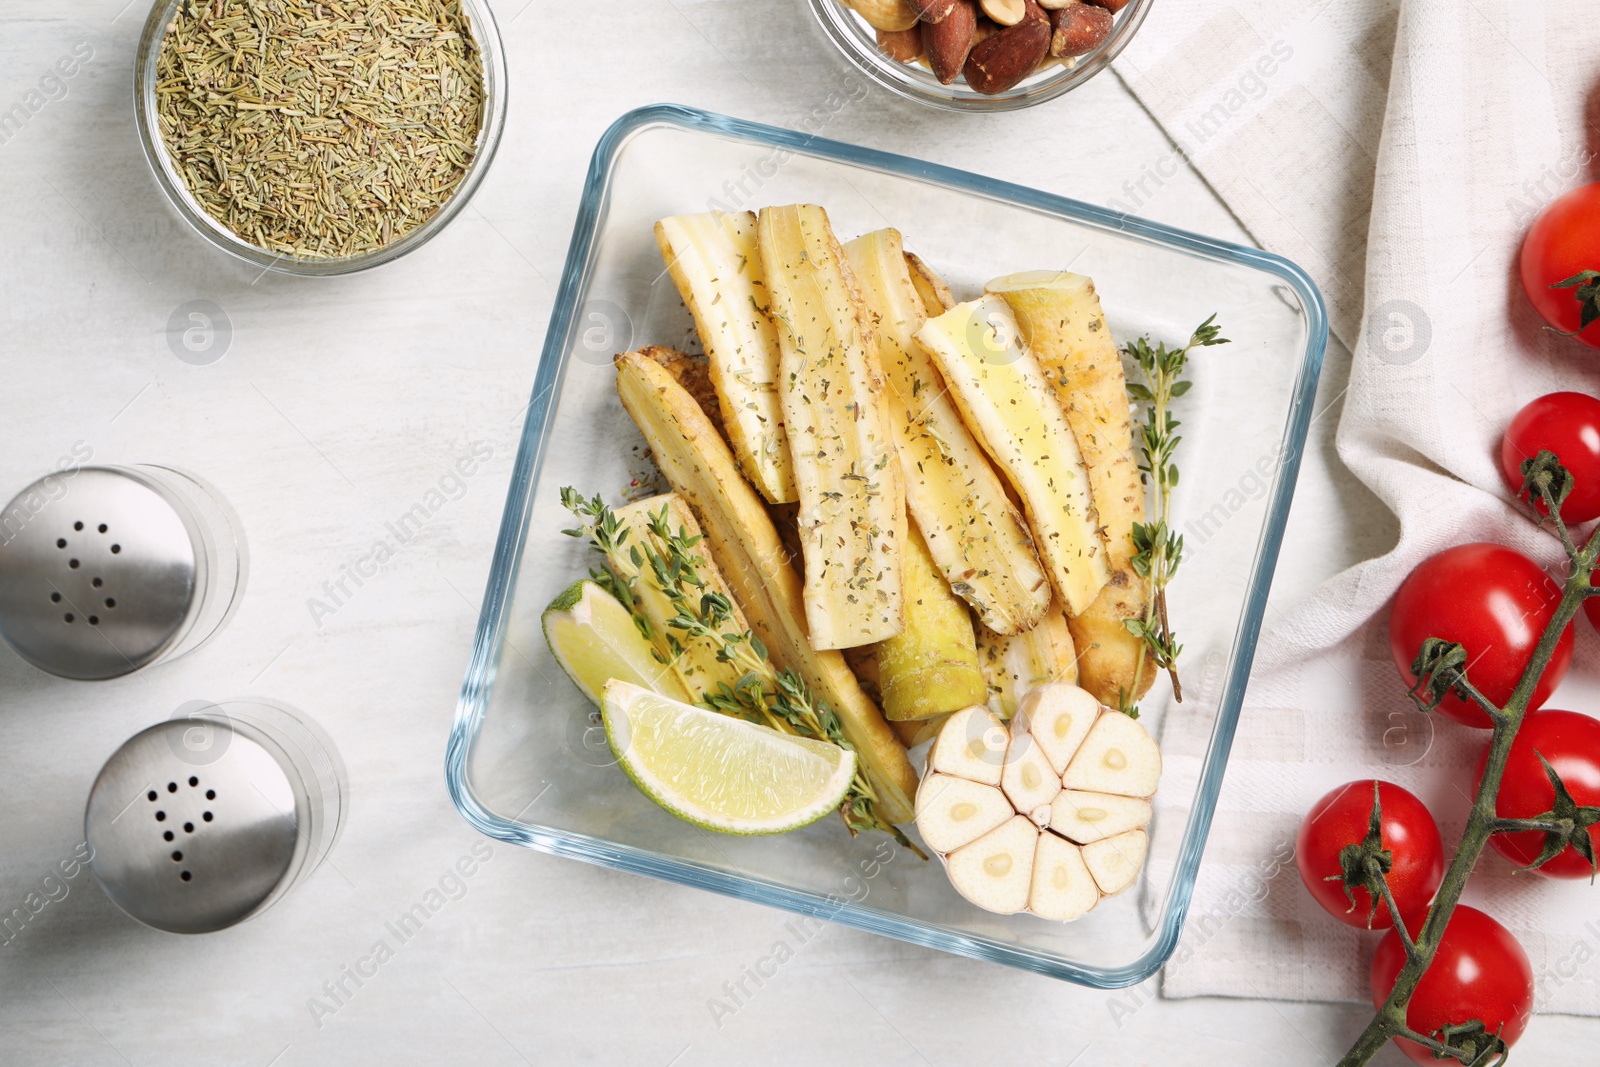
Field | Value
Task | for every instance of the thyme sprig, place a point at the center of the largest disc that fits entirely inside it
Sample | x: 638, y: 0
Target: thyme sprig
x: 762, y: 692
x: 1158, y: 549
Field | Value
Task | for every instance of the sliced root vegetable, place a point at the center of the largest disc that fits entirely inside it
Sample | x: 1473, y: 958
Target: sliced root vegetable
x: 931, y: 667
x: 1115, y: 861
x: 696, y: 662
x: 864, y: 665
x: 1017, y: 418
x: 1064, y: 328
x: 1016, y: 664
x: 1118, y: 756
x: 995, y: 872
x: 914, y: 732
x: 971, y: 744
x: 846, y: 467
x: 1063, y: 889
x: 1080, y: 842
x: 1090, y: 817
x: 714, y: 262
x: 1108, y: 654
x: 936, y: 295
x: 694, y: 374
x: 745, y: 545
x: 952, y: 812
x: 977, y: 537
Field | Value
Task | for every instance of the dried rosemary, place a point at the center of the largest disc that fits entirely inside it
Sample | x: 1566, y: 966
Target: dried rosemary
x: 320, y: 129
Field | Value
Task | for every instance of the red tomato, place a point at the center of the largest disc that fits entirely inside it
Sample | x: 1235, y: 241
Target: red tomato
x: 1567, y: 424
x: 1407, y: 830
x: 1563, y: 242
x: 1496, y: 603
x: 1571, y: 742
x: 1479, y: 972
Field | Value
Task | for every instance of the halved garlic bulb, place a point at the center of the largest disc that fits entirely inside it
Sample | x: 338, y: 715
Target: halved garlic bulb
x: 1047, y: 816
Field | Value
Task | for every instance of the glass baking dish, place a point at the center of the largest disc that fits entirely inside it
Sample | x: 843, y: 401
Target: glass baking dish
x: 526, y: 761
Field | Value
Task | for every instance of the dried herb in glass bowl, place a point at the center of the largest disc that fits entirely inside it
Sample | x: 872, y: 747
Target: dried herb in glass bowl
x: 320, y: 129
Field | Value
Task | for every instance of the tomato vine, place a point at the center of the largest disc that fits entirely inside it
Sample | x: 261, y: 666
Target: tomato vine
x: 1441, y: 669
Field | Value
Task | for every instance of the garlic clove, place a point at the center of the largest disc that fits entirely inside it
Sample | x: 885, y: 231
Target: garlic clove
x: 1027, y: 777
x: 1090, y: 817
x: 952, y: 812
x: 1059, y: 716
x: 1115, y: 861
x: 1063, y: 889
x: 971, y: 744
x: 1118, y: 756
x: 995, y: 872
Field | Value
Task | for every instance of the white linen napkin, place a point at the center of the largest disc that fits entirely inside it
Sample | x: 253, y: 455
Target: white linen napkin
x: 1398, y: 150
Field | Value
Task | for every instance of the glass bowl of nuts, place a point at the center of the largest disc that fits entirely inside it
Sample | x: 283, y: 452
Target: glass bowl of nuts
x: 980, y: 55
x: 319, y: 139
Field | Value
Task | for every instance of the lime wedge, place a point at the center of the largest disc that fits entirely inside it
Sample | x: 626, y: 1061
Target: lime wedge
x: 595, y: 640
x: 719, y: 772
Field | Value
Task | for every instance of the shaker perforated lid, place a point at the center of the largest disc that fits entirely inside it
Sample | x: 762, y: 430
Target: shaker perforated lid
x: 201, y: 822
x: 98, y: 574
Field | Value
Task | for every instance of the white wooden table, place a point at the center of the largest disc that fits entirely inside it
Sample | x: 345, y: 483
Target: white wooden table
x: 337, y: 406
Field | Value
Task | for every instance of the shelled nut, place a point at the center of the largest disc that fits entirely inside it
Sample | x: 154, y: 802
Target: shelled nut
x: 1078, y: 29
x: 886, y: 14
x: 903, y: 46
x: 931, y: 10
x: 1003, y: 59
x: 948, y: 41
x: 1005, y: 12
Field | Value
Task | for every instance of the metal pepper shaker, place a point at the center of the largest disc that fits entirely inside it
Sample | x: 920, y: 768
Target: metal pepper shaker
x: 208, y: 819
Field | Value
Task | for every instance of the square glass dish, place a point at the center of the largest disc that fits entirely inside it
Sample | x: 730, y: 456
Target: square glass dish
x: 527, y: 762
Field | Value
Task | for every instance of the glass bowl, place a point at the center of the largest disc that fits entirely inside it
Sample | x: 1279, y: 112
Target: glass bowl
x: 851, y: 34
x: 486, y: 34
x: 527, y: 762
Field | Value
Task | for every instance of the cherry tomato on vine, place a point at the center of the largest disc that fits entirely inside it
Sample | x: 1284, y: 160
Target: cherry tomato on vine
x: 1563, y: 243
x: 1493, y: 601
x: 1567, y: 424
x: 1591, y: 608
x: 1406, y: 829
x: 1479, y: 972
x: 1571, y: 742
